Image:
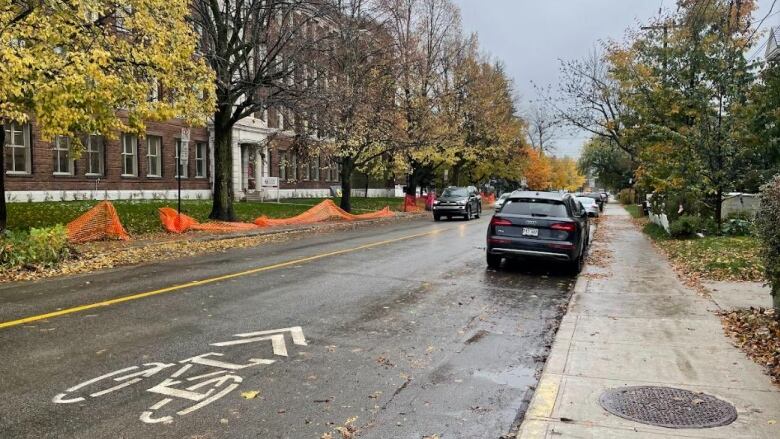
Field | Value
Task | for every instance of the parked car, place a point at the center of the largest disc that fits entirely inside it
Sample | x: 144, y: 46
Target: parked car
x: 458, y: 201
x: 544, y: 225
x: 500, y: 201
x: 605, y: 197
x: 596, y: 196
x: 590, y: 206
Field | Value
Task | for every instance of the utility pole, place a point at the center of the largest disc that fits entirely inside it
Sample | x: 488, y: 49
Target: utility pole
x: 665, y: 27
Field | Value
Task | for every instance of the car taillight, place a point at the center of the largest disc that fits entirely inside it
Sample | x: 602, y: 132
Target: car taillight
x: 500, y: 222
x: 566, y: 227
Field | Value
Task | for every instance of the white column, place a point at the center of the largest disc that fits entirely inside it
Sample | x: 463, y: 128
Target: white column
x: 244, y: 167
x: 258, y: 166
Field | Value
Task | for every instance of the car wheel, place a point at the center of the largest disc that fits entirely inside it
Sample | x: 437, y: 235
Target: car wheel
x: 437, y: 217
x: 493, y: 261
x: 576, y: 265
x: 468, y: 213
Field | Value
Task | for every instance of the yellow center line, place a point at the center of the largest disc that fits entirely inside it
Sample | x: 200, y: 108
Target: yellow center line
x: 196, y: 283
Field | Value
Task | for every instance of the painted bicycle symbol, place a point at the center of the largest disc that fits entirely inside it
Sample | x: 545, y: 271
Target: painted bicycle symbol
x: 194, y: 383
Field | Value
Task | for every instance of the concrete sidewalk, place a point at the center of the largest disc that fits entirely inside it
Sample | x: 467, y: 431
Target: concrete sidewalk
x: 633, y: 323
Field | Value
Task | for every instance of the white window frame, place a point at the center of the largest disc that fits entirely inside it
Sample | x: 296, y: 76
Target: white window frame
x: 62, y: 146
x: 176, y: 164
x: 132, y: 141
x: 94, y: 144
x: 10, y: 130
x: 283, y: 166
x: 200, y: 160
x: 156, y: 158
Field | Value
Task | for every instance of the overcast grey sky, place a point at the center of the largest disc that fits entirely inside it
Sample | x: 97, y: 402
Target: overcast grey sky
x: 529, y: 36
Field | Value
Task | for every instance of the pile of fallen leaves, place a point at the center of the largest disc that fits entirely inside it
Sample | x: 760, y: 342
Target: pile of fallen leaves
x: 757, y: 332
x: 718, y: 258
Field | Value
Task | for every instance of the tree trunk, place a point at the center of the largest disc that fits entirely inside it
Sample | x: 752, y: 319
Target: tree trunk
x: 222, y: 203
x: 3, y: 213
x: 719, y: 209
x: 346, y: 183
x: 367, y: 182
x: 776, y: 300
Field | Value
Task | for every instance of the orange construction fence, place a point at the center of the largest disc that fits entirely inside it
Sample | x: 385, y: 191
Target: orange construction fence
x: 98, y: 223
x: 324, y: 211
x: 418, y: 204
x: 488, y: 200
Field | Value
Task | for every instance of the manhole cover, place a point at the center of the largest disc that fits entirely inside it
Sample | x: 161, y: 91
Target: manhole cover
x: 668, y: 407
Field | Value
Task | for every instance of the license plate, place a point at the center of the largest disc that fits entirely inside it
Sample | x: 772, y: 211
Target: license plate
x: 529, y: 231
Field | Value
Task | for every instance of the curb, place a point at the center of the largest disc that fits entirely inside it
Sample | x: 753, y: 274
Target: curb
x: 539, y: 412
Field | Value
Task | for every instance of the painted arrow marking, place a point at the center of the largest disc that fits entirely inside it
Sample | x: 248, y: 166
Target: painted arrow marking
x: 275, y: 335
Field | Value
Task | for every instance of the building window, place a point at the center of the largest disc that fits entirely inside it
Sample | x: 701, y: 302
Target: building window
x: 63, y: 163
x: 17, y: 148
x: 200, y: 160
x: 283, y: 166
x: 93, y: 149
x: 129, y: 155
x: 154, y: 156
x: 294, y: 166
x: 314, y: 169
x: 181, y: 168
x: 305, y: 171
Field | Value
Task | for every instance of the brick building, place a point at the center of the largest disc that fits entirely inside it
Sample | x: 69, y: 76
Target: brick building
x: 129, y: 167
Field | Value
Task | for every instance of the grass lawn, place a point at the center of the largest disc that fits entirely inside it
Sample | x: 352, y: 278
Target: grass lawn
x: 142, y: 216
x: 713, y: 257
x: 634, y: 210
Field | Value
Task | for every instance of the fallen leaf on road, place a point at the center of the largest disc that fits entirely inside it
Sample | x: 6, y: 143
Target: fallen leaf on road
x: 251, y: 394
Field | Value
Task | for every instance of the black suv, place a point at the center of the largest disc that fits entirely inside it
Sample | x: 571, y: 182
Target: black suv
x: 546, y: 225
x: 458, y: 201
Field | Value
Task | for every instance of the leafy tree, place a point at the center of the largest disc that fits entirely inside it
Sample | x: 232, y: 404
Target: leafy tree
x: 565, y: 174
x: 684, y: 88
x: 538, y: 171
x: 610, y: 164
x: 265, y: 54
x: 358, y: 112
x: 72, y: 65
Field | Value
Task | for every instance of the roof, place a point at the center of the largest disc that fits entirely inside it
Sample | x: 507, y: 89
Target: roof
x: 557, y: 196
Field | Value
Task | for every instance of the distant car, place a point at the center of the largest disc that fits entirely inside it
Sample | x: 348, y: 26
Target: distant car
x: 500, y: 201
x: 458, y: 201
x: 596, y: 196
x: 590, y: 206
x: 543, y: 225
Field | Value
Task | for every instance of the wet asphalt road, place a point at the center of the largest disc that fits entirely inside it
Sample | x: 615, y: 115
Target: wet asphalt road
x: 408, y: 338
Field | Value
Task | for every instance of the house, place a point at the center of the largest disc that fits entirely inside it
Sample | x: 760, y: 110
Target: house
x: 773, y: 45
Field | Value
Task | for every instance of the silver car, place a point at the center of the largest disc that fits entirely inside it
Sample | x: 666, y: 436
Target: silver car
x: 590, y: 206
x: 501, y: 200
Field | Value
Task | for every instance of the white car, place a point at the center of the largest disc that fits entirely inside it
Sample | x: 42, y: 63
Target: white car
x: 500, y: 201
x: 590, y: 205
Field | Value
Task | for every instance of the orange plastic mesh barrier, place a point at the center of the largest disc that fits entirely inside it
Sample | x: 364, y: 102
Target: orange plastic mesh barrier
x: 180, y: 223
x: 489, y: 199
x: 324, y: 211
x: 412, y: 204
x: 98, y: 223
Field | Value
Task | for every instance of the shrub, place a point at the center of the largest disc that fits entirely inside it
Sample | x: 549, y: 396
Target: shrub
x: 38, y: 247
x: 767, y: 227
x: 737, y: 227
x: 685, y: 226
x: 626, y: 196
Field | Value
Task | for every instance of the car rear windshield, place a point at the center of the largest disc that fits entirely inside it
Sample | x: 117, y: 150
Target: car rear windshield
x: 533, y: 207
x: 586, y: 200
x: 455, y: 192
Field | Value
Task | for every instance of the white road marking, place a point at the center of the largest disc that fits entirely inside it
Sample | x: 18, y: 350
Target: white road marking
x: 296, y: 332
x: 277, y: 342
